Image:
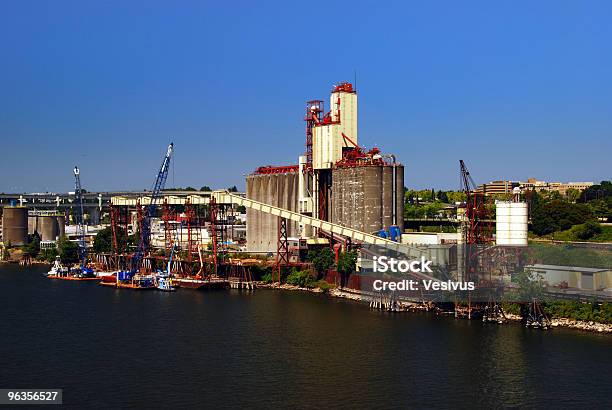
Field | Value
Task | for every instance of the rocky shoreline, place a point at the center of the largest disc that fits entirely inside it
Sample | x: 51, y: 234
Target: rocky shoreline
x: 403, y: 306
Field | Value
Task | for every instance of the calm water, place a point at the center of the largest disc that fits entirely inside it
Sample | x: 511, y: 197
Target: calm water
x: 109, y: 348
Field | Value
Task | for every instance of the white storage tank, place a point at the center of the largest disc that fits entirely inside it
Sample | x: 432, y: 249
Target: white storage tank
x: 511, y: 223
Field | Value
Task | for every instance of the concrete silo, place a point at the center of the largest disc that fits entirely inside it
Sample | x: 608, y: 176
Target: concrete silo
x: 15, y: 225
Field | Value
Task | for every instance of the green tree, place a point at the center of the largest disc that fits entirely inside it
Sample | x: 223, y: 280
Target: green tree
x: 347, y: 261
x: 413, y: 211
x: 48, y: 254
x: 530, y: 286
x: 205, y: 188
x: 600, y: 208
x: 602, y: 190
x: 321, y: 259
x: 68, y: 250
x: 410, y: 198
x: 33, y: 246
x: 233, y: 189
x: 557, y: 215
x: 572, y: 195
x: 190, y: 188
x: 431, y: 210
x: 103, y: 242
x: 442, y: 197
x: 455, y: 196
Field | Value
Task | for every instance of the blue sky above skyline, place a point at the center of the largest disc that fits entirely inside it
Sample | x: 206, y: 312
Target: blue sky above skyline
x: 516, y: 89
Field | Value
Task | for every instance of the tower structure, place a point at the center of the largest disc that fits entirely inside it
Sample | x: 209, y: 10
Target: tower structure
x: 328, y: 137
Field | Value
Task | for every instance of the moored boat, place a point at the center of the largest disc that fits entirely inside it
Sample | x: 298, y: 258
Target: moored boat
x: 164, y: 283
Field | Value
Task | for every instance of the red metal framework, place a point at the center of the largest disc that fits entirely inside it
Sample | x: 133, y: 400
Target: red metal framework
x: 343, y: 86
x: 329, y: 118
x: 114, y: 214
x: 478, y: 229
x: 218, y: 222
x: 213, y: 232
x: 168, y: 216
x: 314, y: 112
x: 140, y: 216
x: 282, y: 250
x: 356, y: 156
x: 193, y: 229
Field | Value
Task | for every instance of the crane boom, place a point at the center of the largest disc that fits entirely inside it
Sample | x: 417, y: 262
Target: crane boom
x: 145, y: 235
x: 79, y: 217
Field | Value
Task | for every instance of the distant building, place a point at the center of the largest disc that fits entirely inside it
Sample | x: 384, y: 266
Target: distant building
x: 562, y: 188
x: 498, y: 187
x: 506, y: 187
x: 573, y: 276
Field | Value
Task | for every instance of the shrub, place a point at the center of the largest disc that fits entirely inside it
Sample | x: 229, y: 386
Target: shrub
x: 323, y: 285
x: 48, y: 255
x: 593, y: 311
x: 301, y: 278
x: 322, y: 259
x: 587, y: 230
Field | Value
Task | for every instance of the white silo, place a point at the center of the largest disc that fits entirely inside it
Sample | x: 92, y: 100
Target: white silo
x: 511, y: 223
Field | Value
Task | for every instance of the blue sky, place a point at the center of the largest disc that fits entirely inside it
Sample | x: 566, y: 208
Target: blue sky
x: 514, y: 88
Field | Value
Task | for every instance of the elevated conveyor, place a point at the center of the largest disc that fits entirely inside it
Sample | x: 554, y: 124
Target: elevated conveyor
x: 225, y: 197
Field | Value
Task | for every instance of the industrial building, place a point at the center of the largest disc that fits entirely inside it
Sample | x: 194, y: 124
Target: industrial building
x: 336, y: 180
x: 50, y: 225
x: 15, y: 225
x: 575, y: 277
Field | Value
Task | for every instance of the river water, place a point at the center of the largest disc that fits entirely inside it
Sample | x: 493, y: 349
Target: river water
x: 108, y: 348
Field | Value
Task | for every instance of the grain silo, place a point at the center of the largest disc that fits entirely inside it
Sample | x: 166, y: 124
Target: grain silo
x: 61, y: 225
x: 275, y: 186
x: 48, y: 228
x: 15, y: 225
x: 32, y: 223
x: 368, y: 198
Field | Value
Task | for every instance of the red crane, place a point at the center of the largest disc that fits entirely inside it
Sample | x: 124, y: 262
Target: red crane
x: 477, y: 227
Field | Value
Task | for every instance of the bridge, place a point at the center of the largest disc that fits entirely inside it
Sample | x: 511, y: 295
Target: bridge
x: 94, y: 203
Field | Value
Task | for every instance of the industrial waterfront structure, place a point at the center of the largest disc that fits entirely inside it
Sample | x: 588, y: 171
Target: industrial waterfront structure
x: 336, y: 180
x: 50, y: 225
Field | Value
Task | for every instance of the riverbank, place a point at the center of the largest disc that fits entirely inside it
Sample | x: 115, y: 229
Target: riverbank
x: 29, y: 263
x: 404, y: 306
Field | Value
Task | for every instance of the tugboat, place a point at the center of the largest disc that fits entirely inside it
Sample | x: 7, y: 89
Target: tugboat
x: 82, y: 272
x: 164, y: 283
x: 163, y: 280
x: 57, y: 270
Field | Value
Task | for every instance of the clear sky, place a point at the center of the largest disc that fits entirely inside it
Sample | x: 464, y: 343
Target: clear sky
x: 514, y: 88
